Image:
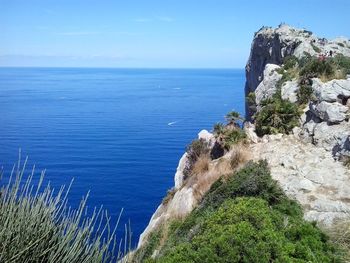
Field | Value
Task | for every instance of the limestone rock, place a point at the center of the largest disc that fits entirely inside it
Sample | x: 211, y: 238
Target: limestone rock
x: 310, y: 175
x: 268, y: 86
x: 289, y: 91
x: 331, y: 91
x: 249, y: 130
x: 207, y: 136
x: 330, y: 112
x: 179, y: 175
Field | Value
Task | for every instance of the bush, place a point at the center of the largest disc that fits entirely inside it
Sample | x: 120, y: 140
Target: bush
x: 315, y: 48
x: 290, y: 62
x: 315, y: 67
x: 304, y: 94
x: 37, y: 226
x: 276, y: 116
x: 232, y: 137
x: 247, y: 219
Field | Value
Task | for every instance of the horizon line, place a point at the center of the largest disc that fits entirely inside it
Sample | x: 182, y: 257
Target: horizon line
x: 88, y: 67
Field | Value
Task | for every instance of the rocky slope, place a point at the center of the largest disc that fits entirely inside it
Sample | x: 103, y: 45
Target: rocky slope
x: 306, y: 163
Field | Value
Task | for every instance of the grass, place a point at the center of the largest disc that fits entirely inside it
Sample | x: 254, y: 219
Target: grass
x: 339, y: 234
x: 36, y: 225
x: 201, y: 165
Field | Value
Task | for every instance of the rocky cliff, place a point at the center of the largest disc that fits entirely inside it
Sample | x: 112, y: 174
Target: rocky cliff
x: 272, y: 45
x: 308, y: 160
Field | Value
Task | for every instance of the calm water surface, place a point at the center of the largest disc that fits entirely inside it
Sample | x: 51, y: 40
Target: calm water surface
x: 118, y: 132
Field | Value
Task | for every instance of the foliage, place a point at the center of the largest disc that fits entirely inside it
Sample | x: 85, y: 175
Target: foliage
x: 316, y: 67
x: 315, y: 48
x: 342, y: 63
x: 219, y: 130
x: 276, y: 116
x: 341, y: 44
x: 232, y: 137
x: 304, y: 94
x: 246, y: 218
x: 290, y: 62
x: 37, y: 226
x: 233, y: 117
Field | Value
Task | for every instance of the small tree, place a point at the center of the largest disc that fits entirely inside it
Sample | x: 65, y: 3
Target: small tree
x: 233, y: 117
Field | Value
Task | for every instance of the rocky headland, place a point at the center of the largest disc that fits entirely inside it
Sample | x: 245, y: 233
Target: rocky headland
x: 297, y: 119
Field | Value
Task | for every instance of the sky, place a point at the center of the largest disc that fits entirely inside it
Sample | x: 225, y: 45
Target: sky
x: 152, y: 33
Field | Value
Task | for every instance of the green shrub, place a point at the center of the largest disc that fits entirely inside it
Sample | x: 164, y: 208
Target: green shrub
x: 233, y: 117
x: 304, y: 94
x: 37, y: 226
x: 232, y: 137
x: 247, y: 219
x: 290, y: 62
x: 315, y: 67
x: 342, y: 62
x: 276, y: 116
x: 315, y: 48
x: 341, y: 44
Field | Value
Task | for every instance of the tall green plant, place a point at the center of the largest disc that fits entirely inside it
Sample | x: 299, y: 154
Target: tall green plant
x: 36, y: 225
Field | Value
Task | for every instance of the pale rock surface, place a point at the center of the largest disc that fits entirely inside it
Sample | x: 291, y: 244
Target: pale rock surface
x: 179, y: 175
x: 289, y: 90
x: 308, y: 174
x: 267, y: 87
x: 331, y: 91
x: 249, y: 129
x: 330, y: 112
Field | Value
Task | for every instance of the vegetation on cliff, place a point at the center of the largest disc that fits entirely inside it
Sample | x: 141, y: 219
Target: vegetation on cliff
x: 37, y: 226
x: 279, y: 115
x: 243, y: 218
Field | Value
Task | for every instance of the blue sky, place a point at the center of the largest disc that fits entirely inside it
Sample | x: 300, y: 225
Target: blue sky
x: 152, y: 33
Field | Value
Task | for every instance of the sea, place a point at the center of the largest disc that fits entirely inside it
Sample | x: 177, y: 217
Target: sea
x: 118, y: 132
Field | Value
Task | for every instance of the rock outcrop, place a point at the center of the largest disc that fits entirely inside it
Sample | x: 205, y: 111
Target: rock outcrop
x: 308, y: 174
x: 272, y: 45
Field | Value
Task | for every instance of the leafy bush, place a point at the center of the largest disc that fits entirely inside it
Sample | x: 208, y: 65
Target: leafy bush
x: 315, y: 67
x: 342, y: 62
x: 290, y: 62
x: 276, y: 116
x: 304, y: 94
x: 246, y: 219
x: 315, y: 48
x: 37, y: 226
x: 233, y: 117
x: 232, y: 137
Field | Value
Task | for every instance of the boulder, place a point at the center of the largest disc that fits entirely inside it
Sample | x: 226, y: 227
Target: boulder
x: 331, y: 91
x: 289, y: 91
x: 267, y: 87
x: 330, y: 112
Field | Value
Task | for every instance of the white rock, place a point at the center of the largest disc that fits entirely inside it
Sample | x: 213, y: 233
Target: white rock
x: 267, y: 87
x: 332, y: 90
x: 207, y: 136
x: 179, y: 175
x: 330, y: 112
x: 249, y: 129
x: 310, y: 175
x: 289, y: 91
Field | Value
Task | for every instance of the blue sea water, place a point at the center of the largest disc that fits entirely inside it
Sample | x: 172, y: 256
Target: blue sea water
x: 118, y: 132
